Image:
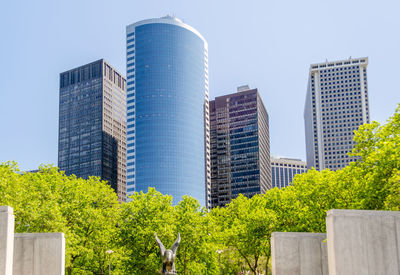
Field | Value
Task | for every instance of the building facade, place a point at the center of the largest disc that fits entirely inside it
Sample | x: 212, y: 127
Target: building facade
x: 284, y: 169
x: 92, y: 124
x: 336, y: 105
x: 240, y: 148
x: 167, y: 107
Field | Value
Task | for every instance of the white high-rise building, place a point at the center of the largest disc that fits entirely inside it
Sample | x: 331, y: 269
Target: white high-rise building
x: 283, y: 170
x: 336, y: 105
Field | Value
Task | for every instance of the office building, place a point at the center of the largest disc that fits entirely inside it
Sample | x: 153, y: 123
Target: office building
x: 336, y: 105
x: 240, y: 154
x: 284, y: 169
x: 92, y: 124
x: 167, y: 107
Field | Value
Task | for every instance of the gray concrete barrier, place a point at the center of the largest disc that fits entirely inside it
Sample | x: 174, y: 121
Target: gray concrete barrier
x: 363, y: 242
x: 299, y: 253
x: 39, y: 254
x: 6, y: 240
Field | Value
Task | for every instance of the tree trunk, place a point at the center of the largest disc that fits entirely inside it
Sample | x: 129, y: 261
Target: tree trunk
x: 255, y: 265
x: 266, y: 266
x: 69, y: 269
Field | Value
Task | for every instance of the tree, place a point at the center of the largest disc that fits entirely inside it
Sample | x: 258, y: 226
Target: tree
x: 246, y: 225
x: 49, y: 201
x: 378, y: 147
x: 91, y: 211
x: 152, y: 212
x: 196, y: 253
x: 314, y: 193
x: 146, y: 214
x: 392, y: 201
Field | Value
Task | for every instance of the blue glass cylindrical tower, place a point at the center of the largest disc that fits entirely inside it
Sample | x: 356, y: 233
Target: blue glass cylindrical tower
x: 167, y: 101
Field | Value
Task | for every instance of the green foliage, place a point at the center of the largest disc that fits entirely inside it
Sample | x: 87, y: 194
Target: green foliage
x: 152, y: 212
x: 378, y: 147
x: 246, y: 225
x: 372, y: 182
x: 49, y: 201
x: 88, y: 213
x: 392, y: 201
x: 144, y: 215
x: 196, y: 252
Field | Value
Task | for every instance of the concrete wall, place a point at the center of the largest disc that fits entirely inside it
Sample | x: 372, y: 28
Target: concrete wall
x: 299, y: 254
x: 6, y: 240
x: 39, y: 254
x: 363, y: 242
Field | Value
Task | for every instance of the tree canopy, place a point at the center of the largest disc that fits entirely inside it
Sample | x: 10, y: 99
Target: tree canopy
x: 50, y: 201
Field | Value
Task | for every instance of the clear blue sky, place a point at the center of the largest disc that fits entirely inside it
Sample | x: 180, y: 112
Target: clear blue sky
x: 266, y: 44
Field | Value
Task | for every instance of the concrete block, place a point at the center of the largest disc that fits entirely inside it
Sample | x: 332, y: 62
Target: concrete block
x: 299, y: 253
x: 6, y: 240
x: 39, y: 254
x: 363, y: 242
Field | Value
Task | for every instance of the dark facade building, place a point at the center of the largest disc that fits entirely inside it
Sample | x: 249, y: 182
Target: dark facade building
x: 240, y: 149
x: 167, y: 105
x: 92, y: 124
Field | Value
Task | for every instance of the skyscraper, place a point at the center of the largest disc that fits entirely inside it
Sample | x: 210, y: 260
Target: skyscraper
x: 336, y: 105
x: 92, y: 124
x: 167, y: 106
x: 284, y: 169
x: 240, y: 154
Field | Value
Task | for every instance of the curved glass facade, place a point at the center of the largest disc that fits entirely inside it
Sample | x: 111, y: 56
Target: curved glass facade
x: 169, y: 87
